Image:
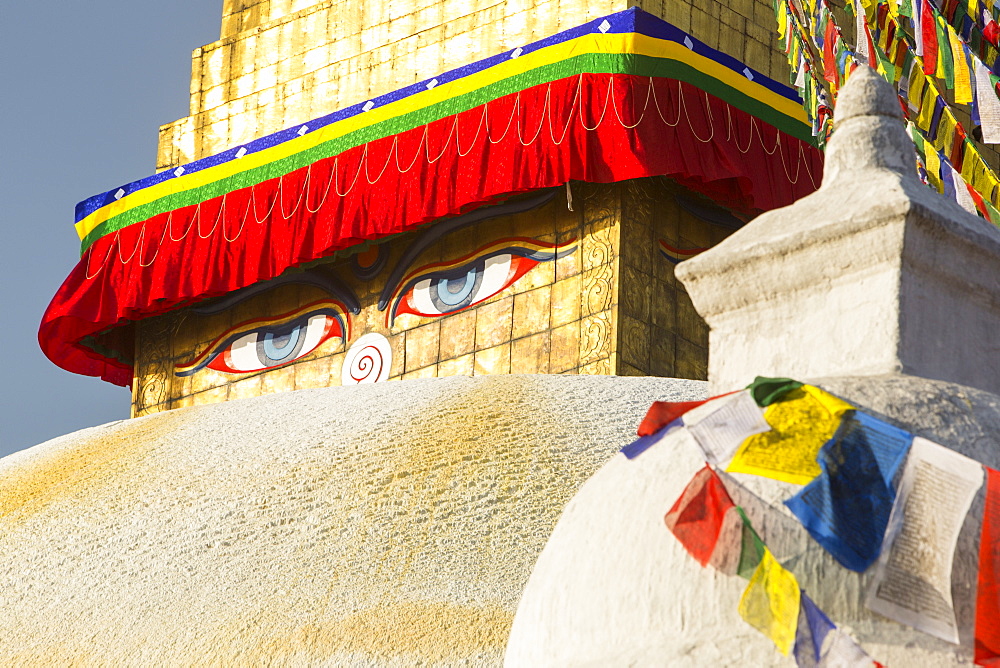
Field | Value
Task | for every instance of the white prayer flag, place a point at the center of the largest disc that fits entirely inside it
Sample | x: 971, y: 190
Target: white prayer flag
x: 962, y: 195
x: 862, y: 35
x: 722, y: 432
x: 800, y: 77
x: 912, y: 582
x: 989, y: 104
x: 918, y: 30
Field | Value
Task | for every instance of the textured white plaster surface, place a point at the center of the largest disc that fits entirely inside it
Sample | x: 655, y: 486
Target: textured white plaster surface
x: 614, y: 588
x: 874, y: 273
x: 386, y: 524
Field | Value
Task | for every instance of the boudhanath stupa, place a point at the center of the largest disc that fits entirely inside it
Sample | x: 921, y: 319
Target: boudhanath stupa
x: 407, y: 280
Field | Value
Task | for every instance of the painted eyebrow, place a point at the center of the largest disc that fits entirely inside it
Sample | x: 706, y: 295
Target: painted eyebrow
x: 325, y: 281
x: 439, y: 230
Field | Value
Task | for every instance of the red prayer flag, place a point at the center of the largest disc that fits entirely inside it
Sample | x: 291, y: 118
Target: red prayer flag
x: 978, y: 199
x: 988, y: 593
x: 697, y: 517
x: 958, y: 147
x: 872, y: 58
x: 991, y: 31
x: 662, y: 413
x: 830, y: 53
x: 929, y: 28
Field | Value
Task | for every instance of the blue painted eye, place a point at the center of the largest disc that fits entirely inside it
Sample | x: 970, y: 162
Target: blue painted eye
x: 261, y: 344
x: 443, y: 293
x: 265, y: 348
x: 457, y: 292
x: 280, y: 344
x: 448, y: 287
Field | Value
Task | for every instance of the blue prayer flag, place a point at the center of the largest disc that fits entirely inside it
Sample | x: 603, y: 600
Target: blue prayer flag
x: 813, y: 627
x: 643, y: 443
x: 846, y: 508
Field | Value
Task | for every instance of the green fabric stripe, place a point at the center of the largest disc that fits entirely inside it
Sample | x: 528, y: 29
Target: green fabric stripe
x: 639, y: 65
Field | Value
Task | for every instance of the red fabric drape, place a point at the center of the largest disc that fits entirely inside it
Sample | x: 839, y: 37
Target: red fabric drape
x: 594, y: 127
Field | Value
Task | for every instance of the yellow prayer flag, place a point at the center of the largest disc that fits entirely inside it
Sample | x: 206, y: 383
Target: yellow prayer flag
x: 916, y: 86
x: 969, y: 165
x: 771, y: 602
x: 932, y: 162
x: 963, y: 81
x: 800, y: 424
x: 927, y: 102
x: 946, y: 134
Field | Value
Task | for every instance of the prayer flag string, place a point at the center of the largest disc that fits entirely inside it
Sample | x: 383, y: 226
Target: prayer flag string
x: 873, y: 496
x: 943, y: 45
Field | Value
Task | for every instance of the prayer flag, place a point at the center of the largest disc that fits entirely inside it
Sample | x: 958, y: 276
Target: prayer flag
x: 945, y: 65
x: 991, y: 31
x: 912, y: 583
x: 861, y: 35
x: 662, y: 413
x: 766, y: 391
x: 846, y: 509
x: 935, y: 124
x: 641, y: 444
x: 801, y: 423
x: 830, y: 54
x: 820, y: 644
x: 918, y: 29
x: 962, y: 194
x: 948, y: 179
x: 869, y: 45
x: 988, y: 104
x: 981, y: 205
x: 957, y: 147
x: 988, y: 593
x: 707, y: 523
x: 928, y: 28
x: 751, y: 548
x: 770, y: 602
x: 963, y: 82
x: 722, y: 432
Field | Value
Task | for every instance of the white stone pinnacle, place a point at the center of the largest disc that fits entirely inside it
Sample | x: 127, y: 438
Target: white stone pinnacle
x: 874, y: 273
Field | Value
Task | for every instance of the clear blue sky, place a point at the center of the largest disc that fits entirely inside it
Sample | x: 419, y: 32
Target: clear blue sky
x: 84, y: 87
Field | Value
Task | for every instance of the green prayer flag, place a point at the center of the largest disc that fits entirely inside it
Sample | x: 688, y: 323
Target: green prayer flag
x: 752, y: 549
x: 766, y: 391
x: 944, y: 52
x: 994, y: 214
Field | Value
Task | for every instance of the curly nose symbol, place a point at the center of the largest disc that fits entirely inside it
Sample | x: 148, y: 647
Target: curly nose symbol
x: 367, y: 361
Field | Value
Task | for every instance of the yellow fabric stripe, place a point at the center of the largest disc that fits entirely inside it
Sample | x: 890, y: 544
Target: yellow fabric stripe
x: 610, y: 43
